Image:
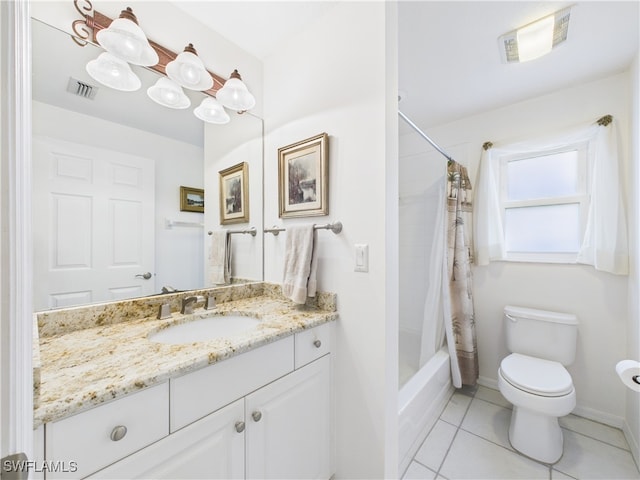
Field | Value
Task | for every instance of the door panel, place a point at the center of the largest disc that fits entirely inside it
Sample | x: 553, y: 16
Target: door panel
x: 93, y: 224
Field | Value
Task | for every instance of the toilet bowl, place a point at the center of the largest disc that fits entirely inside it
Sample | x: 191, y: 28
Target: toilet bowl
x: 540, y: 391
x: 534, y: 379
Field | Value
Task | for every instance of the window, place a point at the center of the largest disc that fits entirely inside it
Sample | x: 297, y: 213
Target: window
x: 544, y: 203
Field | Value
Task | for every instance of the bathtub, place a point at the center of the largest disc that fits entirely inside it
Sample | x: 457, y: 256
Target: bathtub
x: 420, y: 402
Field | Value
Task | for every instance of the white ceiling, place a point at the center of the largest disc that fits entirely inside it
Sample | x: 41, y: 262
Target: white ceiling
x: 449, y: 61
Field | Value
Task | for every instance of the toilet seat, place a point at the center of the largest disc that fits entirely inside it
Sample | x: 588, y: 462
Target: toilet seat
x: 536, y: 376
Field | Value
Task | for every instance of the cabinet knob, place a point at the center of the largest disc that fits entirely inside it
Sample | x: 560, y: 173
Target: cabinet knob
x: 239, y: 427
x: 256, y: 416
x: 118, y: 433
x: 317, y: 343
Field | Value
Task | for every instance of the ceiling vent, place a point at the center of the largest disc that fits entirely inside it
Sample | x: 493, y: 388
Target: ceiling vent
x: 81, y: 89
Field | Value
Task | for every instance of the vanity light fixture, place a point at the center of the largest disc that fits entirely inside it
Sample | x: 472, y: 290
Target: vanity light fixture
x: 188, y: 71
x: 535, y: 39
x: 113, y: 72
x: 169, y: 94
x: 178, y: 70
x: 211, y: 111
x: 235, y: 95
x: 125, y: 39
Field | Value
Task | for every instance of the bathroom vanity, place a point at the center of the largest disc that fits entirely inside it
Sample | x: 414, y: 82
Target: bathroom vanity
x: 254, y: 404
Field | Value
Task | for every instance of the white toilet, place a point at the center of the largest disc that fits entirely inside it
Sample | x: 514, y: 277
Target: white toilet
x: 534, y: 380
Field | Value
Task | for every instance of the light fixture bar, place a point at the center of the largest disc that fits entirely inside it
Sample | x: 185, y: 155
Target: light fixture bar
x: 97, y: 21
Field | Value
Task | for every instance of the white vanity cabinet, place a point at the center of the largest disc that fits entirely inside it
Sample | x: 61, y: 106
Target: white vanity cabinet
x: 266, y: 413
x: 212, y: 447
x: 289, y: 431
x: 83, y: 443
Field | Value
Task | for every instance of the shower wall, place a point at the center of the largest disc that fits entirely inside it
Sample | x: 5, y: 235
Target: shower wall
x: 421, y: 173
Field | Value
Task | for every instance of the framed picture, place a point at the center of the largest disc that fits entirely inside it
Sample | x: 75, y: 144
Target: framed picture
x: 234, y: 194
x: 302, y: 177
x: 191, y: 199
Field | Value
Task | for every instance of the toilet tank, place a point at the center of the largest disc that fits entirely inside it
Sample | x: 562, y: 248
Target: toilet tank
x: 542, y: 334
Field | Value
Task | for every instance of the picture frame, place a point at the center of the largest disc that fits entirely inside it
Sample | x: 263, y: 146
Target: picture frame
x: 234, y: 194
x: 191, y: 199
x: 303, y: 169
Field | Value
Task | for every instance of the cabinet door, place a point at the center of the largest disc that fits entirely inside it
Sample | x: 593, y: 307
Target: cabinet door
x: 211, y: 448
x: 289, y: 425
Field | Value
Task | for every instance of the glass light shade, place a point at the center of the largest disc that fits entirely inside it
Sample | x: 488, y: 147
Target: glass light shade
x: 235, y: 95
x: 113, y: 72
x: 211, y: 111
x: 188, y: 71
x: 168, y: 94
x: 536, y: 39
x: 126, y: 40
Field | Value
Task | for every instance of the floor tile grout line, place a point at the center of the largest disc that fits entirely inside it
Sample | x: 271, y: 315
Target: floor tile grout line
x: 457, y: 430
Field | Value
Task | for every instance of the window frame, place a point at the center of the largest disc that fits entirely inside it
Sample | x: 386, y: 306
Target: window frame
x: 581, y: 197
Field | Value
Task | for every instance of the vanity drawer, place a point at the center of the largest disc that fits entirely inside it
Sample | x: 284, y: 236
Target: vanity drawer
x: 199, y: 393
x: 312, y: 344
x: 90, y: 440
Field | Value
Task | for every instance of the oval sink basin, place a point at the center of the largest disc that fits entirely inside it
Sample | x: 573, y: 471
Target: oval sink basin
x: 205, y: 329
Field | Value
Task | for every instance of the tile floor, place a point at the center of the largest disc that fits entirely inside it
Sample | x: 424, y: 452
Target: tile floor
x: 470, y: 440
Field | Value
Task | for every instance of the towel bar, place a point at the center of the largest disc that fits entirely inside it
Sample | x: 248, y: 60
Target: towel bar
x: 251, y: 231
x: 335, y: 227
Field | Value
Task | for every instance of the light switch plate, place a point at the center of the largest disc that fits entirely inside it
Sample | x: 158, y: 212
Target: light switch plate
x: 362, y: 257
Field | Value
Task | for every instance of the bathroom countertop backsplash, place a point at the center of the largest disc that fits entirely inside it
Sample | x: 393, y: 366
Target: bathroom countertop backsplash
x: 85, y: 356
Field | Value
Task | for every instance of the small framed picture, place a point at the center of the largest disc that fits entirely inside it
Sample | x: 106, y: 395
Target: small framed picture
x: 191, y: 199
x: 234, y: 194
x: 303, y: 176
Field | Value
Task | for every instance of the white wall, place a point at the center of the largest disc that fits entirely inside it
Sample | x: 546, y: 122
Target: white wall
x: 632, y: 425
x: 332, y: 78
x: 599, y: 299
x: 179, y: 251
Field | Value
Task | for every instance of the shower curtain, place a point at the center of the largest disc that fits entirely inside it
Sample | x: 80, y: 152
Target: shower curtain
x: 449, y: 300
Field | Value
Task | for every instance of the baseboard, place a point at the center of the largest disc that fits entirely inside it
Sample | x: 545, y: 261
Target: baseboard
x: 488, y: 382
x: 598, y: 416
x: 633, y: 443
x: 580, y: 411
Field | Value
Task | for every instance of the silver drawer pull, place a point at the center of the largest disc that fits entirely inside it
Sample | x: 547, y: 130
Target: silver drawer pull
x: 118, y: 433
x: 317, y: 343
x: 239, y: 427
x: 256, y: 416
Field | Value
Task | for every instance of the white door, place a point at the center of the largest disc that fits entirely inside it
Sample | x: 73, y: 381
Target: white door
x: 289, y: 425
x: 93, y: 224
x: 211, y: 448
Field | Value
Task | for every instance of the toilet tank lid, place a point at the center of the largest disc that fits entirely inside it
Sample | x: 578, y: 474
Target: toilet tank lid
x: 545, y: 315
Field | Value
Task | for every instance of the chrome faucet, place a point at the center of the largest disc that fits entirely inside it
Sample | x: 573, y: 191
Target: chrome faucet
x: 189, y: 302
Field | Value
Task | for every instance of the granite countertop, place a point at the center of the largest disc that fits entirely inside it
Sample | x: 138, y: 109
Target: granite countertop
x: 87, y: 356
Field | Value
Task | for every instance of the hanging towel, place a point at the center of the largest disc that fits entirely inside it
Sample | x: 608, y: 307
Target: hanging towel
x: 220, y: 257
x: 300, y: 264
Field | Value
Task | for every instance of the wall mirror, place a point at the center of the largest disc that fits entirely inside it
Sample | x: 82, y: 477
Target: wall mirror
x: 91, y: 144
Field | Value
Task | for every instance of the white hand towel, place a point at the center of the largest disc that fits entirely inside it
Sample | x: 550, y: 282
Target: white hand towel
x: 220, y: 257
x: 300, y: 264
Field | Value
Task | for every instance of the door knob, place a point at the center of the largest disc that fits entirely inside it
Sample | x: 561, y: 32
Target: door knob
x: 256, y: 416
x: 239, y: 427
x: 146, y: 275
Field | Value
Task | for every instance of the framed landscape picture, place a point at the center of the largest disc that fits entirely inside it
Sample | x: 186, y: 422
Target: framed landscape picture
x: 303, y: 178
x: 234, y: 194
x: 191, y: 199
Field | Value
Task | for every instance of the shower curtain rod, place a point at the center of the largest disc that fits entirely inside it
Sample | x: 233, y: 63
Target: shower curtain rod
x: 425, y: 136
